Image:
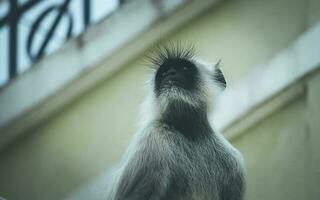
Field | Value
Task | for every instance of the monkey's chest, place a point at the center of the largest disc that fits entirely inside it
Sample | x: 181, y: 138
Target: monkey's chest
x: 206, y: 172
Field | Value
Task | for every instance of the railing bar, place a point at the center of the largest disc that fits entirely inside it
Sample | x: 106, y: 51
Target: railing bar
x: 86, y: 12
x: 28, y: 5
x: 19, y: 11
x: 53, y: 27
x: 13, y: 39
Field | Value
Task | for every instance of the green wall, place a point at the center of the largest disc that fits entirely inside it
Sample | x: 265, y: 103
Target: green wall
x: 282, y: 152
x: 90, y: 135
x: 277, y: 155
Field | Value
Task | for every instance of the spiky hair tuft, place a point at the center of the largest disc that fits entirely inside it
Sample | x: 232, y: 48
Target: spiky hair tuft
x: 170, y: 51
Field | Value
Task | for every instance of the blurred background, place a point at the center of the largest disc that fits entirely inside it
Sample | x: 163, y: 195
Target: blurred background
x: 72, y: 76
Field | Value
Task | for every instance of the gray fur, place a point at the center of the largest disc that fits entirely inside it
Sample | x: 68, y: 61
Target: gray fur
x: 177, y: 155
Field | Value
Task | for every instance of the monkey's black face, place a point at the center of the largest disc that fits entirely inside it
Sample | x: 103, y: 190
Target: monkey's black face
x: 176, y: 72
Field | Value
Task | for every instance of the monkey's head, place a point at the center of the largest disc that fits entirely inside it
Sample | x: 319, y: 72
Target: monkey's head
x: 183, y: 81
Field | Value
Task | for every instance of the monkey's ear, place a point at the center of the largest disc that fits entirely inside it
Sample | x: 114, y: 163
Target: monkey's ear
x: 218, y: 75
x: 217, y: 65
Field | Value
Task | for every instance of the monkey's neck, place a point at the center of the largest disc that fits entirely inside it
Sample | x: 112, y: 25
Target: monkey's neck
x: 189, y: 121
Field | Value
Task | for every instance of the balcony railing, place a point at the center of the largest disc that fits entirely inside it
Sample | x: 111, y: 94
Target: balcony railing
x: 55, y: 19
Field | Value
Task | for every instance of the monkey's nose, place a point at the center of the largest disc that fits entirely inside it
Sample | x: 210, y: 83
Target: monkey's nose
x: 171, y: 72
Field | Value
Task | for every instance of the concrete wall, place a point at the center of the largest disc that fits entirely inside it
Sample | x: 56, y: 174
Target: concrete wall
x: 281, y: 152
x: 90, y: 135
x: 277, y: 155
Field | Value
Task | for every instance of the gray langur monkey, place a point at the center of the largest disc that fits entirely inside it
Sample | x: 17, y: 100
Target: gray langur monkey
x: 177, y: 155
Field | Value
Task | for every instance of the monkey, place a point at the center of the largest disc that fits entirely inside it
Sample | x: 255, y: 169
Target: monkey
x: 177, y: 154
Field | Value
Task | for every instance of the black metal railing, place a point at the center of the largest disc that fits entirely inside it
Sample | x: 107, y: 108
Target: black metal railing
x: 16, y: 12
x: 14, y: 15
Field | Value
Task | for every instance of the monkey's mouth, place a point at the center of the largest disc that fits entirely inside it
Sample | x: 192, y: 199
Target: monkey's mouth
x: 174, y: 80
